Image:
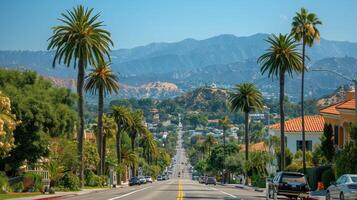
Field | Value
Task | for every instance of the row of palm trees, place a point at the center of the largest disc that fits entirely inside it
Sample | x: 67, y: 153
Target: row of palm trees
x: 283, y: 57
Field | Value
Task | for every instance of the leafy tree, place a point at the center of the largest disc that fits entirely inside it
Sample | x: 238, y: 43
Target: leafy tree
x: 217, y: 159
x: 304, y: 29
x: 246, y: 98
x: 101, y: 79
x: 327, y: 146
x: 209, y: 142
x: 91, y: 156
x: 80, y: 41
x: 282, y: 57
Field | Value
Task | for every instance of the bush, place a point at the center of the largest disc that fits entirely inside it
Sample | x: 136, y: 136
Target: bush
x: 51, y: 190
x: 293, y: 167
x: 346, y: 160
x: 69, y: 181
x: 92, y: 179
x: 258, y: 181
x: 4, y: 184
x: 18, y: 187
x: 32, y: 182
x: 327, y: 177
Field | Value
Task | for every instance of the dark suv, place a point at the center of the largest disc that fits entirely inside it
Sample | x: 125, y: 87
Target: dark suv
x: 134, y: 181
x: 289, y: 184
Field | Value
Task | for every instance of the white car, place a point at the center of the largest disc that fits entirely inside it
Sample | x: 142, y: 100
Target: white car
x: 344, y: 188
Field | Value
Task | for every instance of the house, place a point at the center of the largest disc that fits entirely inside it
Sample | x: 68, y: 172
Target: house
x: 314, y: 127
x: 341, y: 115
x: 257, y: 147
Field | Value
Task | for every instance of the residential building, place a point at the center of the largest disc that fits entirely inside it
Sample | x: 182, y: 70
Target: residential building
x: 314, y: 127
x: 341, y: 115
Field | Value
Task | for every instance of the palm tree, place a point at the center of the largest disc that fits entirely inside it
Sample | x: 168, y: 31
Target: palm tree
x: 225, y: 123
x: 209, y: 142
x: 304, y: 30
x: 148, y: 143
x: 246, y: 98
x: 282, y: 57
x: 137, y: 128
x: 124, y: 121
x: 80, y: 41
x: 101, y: 79
x: 110, y: 128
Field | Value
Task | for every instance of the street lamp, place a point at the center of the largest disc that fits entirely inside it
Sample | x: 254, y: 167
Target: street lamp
x: 353, y: 80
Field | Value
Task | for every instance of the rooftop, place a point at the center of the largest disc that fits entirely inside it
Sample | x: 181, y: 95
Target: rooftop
x: 313, y: 123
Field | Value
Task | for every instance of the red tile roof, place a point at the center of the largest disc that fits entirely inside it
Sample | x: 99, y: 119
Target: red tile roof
x: 333, y: 109
x: 261, y: 146
x: 313, y: 123
x: 349, y: 105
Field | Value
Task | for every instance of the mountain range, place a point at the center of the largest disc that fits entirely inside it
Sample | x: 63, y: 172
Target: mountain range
x: 222, y: 60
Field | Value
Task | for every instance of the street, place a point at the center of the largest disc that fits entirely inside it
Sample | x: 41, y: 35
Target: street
x: 176, y: 188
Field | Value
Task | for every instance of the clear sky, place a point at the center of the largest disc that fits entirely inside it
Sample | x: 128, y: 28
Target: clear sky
x: 26, y: 24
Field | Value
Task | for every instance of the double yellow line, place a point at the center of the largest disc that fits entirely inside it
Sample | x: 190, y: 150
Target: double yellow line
x: 180, y: 191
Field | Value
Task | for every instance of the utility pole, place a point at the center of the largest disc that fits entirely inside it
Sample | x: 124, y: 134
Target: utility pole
x: 353, y: 80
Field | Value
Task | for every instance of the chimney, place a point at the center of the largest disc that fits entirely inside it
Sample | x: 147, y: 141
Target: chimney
x: 350, y: 94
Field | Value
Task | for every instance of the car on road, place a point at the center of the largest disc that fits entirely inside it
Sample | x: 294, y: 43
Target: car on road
x: 159, y: 178
x: 202, y: 179
x: 134, y: 181
x: 344, y: 188
x: 148, y: 179
x: 142, y: 179
x: 289, y: 184
x: 211, y: 181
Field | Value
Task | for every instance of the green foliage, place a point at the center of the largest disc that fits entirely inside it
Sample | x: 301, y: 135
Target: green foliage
x: 353, y: 132
x: 52, y: 190
x: 91, y: 179
x: 327, y: 146
x: 91, y: 156
x: 4, y: 184
x: 346, y: 160
x: 195, y: 120
x: 257, y: 163
x: 218, y: 155
x: 36, y: 181
x: 258, y: 180
x: 18, y: 187
x: 201, y: 166
x: 233, y: 164
x: 69, y: 181
x: 328, y: 176
x: 44, y: 111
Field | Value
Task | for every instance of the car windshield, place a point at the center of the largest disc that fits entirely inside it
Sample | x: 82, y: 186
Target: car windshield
x: 354, y: 179
x: 288, y: 178
x: 211, y: 179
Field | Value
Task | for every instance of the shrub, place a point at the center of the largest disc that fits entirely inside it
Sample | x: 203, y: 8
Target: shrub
x: 18, y: 187
x: 69, y: 181
x: 32, y: 182
x: 4, y: 184
x: 328, y: 176
x: 92, y: 179
x: 293, y: 167
x: 51, y: 190
x: 346, y: 160
x: 258, y: 181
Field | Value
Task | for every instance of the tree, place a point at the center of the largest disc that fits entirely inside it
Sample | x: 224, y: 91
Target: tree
x: 109, y: 130
x: 246, y: 98
x: 327, y: 146
x: 101, y: 79
x: 225, y: 123
x: 282, y: 57
x: 148, y: 143
x: 123, y: 120
x: 209, y: 142
x: 7, y: 126
x: 137, y: 128
x: 304, y: 30
x: 80, y: 41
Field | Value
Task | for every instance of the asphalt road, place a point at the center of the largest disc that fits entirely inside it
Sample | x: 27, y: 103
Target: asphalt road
x: 177, y: 188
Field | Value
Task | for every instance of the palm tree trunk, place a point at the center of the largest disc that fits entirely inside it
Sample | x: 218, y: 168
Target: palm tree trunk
x: 80, y: 133
x: 104, y: 152
x: 282, y: 121
x: 302, y: 108
x: 118, y: 147
x: 133, y: 149
x: 246, y: 139
x: 100, y: 129
x: 224, y: 155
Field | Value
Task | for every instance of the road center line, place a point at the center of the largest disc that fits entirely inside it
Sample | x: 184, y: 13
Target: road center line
x: 226, y: 193
x: 130, y: 193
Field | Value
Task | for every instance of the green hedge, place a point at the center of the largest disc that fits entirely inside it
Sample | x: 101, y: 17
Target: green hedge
x: 327, y: 177
x: 69, y: 181
x: 36, y: 182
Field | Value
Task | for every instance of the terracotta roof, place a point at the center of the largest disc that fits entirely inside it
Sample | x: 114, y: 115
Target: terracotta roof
x: 349, y: 105
x: 261, y: 146
x: 313, y: 123
x: 333, y: 109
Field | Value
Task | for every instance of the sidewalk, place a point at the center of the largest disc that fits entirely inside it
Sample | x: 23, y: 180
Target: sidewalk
x: 58, y: 195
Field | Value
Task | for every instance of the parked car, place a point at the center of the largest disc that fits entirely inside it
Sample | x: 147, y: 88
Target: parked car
x: 211, y: 181
x: 289, y: 184
x: 148, y: 179
x: 202, y: 179
x: 344, y: 188
x: 159, y: 178
x: 134, y: 181
x: 142, y: 179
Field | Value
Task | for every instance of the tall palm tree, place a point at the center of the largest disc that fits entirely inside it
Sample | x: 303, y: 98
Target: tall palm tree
x: 110, y: 128
x: 148, y: 143
x: 209, y: 142
x: 225, y: 123
x: 282, y: 57
x: 101, y: 79
x: 246, y: 98
x: 80, y: 41
x: 304, y: 29
x: 124, y: 121
x: 137, y: 128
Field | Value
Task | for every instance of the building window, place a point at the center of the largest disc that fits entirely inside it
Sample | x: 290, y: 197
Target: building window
x: 308, y: 145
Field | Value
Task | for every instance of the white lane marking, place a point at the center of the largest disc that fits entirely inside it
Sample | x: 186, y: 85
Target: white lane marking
x: 231, y: 195
x: 130, y: 193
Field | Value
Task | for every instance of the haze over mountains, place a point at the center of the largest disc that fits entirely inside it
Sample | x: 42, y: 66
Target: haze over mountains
x: 223, y: 60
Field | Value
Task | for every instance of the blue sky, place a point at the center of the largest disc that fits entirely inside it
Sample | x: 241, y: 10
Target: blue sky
x: 26, y: 25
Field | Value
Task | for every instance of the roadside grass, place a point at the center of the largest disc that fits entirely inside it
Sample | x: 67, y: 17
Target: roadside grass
x: 12, y: 195
x: 95, y: 187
